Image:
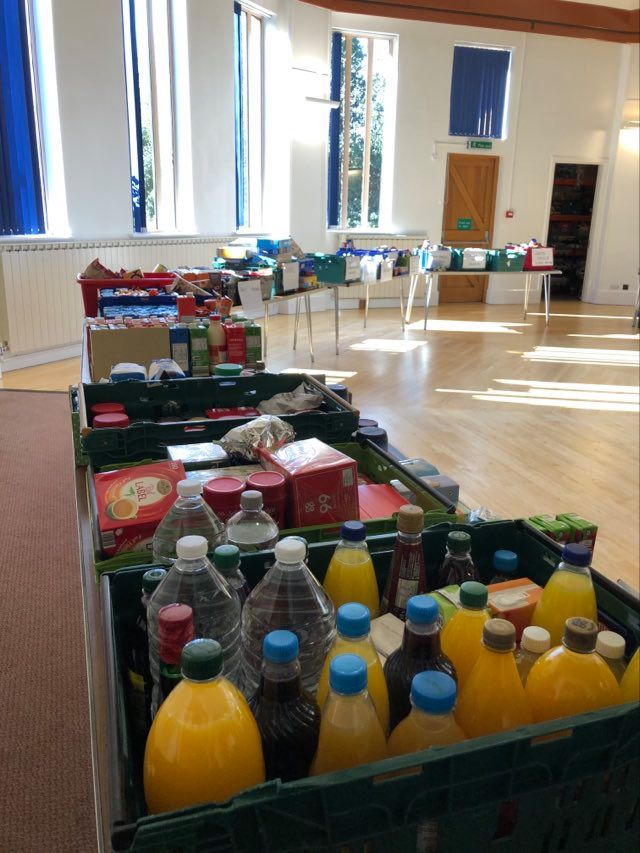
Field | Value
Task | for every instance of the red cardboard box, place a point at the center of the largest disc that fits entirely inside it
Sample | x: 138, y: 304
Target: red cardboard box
x: 132, y: 502
x: 322, y: 482
x: 379, y: 500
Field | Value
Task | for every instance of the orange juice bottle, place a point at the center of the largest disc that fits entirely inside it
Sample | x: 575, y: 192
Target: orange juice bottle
x: 630, y: 684
x: 350, y: 731
x: 462, y: 635
x: 431, y: 721
x: 568, y: 592
x: 572, y: 678
x: 350, y: 576
x: 204, y: 744
x: 492, y: 699
x: 353, y: 624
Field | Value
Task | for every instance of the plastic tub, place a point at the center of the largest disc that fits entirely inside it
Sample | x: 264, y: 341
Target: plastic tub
x: 90, y: 287
x: 273, y: 488
x: 223, y: 496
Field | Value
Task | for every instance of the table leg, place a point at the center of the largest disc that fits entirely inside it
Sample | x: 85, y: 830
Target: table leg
x: 296, y: 323
x: 307, y: 305
x: 366, y: 305
x: 266, y: 327
x: 336, y: 317
x: 402, y: 302
x: 546, y: 281
x: 428, y: 284
x: 413, y: 284
x: 527, y: 284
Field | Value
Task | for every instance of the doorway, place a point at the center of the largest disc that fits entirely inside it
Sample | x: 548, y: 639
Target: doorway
x: 574, y: 187
x: 469, y: 208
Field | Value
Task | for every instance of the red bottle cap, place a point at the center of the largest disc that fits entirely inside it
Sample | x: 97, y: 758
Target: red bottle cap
x: 175, y: 630
x: 107, y: 408
x: 270, y: 483
x: 110, y: 420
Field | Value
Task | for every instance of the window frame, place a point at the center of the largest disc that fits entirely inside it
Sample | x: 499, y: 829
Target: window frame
x: 250, y: 181
x: 343, y: 115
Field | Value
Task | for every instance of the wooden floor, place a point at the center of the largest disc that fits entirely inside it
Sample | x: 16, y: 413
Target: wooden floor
x: 528, y: 419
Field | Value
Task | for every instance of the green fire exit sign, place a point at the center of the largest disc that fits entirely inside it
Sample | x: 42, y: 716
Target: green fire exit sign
x: 480, y: 143
x: 464, y: 224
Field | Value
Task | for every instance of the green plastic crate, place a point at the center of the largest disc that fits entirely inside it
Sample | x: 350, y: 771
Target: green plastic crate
x: 375, y: 463
x: 502, y: 260
x: 337, y: 269
x: 335, y: 421
x: 569, y: 785
x: 81, y: 458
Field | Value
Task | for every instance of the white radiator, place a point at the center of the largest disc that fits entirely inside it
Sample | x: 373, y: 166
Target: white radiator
x: 388, y: 289
x: 44, y: 306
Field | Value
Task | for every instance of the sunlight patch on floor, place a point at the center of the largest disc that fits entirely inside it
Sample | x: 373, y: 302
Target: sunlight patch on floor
x: 332, y: 375
x: 572, y: 386
x: 583, y: 355
x: 583, y: 316
x: 484, y: 326
x: 619, y: 337
x: 612, y: 401
x: 387, y: 345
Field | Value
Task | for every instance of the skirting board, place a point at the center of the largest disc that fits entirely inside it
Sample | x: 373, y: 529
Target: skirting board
x: 41, y: 356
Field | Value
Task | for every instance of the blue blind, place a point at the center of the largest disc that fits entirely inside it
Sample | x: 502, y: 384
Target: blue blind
x: 335, y: 123
x: 478, y: 91
x: 21, y: 198
x: 138, y: 193
x: 239, y: 112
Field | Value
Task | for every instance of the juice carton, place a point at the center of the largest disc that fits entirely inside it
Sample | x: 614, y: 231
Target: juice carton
x: 132, y: 502
x: 321, y: 482
x: 514, y: 601
x: 199, y: 350
x: 179, y: 341
x: 448, y: 598
x: 555, y: 529
x: 581, y: 530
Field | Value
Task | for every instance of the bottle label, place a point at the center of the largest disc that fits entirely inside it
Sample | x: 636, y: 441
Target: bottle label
x: 217, y: 354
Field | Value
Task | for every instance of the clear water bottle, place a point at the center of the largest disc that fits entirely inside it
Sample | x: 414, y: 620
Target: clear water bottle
x: 288, y: 598
x: 252, y: 529
x: 226, y: 559
x: 189, y: 516
x: 193, y: 580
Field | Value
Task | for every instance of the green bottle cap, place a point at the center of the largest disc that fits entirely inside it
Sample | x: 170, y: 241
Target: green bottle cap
x: 473, y: 594
x: 226, y: 557
x: 201, y: 660
x: 228, y: 369
x: 458, y: 542
x: 151, y: 579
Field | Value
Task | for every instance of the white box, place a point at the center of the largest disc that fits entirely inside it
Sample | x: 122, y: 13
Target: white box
x: 290, y: 276
x: 386, y: 269
x: 474, y: 259
x: 352, y: 268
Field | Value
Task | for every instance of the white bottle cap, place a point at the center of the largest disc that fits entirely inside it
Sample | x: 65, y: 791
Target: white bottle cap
x: 189, y: 488
x: 535, y: 639
x: 251, y: 499
x: 192, y: 547
x: 610, y: 645
x: 290, y: 550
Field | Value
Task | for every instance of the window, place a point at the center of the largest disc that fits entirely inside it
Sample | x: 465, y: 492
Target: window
x: 362, y: 79
x: 148, y: 68
x: 249, y: 101
x: 22, y: 202
x: 479, y: 84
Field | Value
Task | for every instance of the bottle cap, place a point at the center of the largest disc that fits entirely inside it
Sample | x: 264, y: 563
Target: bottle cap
x: 226, y: 557
x: 505, y: 562
x: 433, y: 692
x: 610, y: 645
x: 110, y: 420
x: 422, y: 610
x: 353, y: 531
x: 228, y: 369
x: 473, y: 594
x: 458, y: 542
x: 535, y: 639
x: 290, y: 550
x: 107, y: 409
x: 280, y: 646
x: 189, y: 488
x: 580, y: 634
x: 348, y: 674
x: 192, y: 547
x: 201, y: 660
x: 269, y: 482
x: 353, y: 620
x: 251, y: 500
x: 410, y: 519
x: 151, y: 579
x: 576, y: 554
x: 215, y: 317
x: 175, y: 630
x: 499, y: 635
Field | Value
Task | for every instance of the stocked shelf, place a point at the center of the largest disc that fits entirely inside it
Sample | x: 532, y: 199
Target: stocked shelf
x: 570, y: 217
x: 572, y: 182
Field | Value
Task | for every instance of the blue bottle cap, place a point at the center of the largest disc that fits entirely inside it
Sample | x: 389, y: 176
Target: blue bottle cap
x: 433, y: 692
x: 354, y: 620
x: 505, y: 562
x: 280, y: 647
x: 348, y: 674
x: 576, y: 554
x: 353, y: 531
x: 422, y: 609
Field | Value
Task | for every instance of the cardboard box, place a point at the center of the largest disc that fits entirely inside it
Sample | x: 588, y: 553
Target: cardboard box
x: 322, y: 482
x: 559, y: 531
x: 580, y: 529
x: 132, y: 502
x: 136, y: 345
x: 379, y: 500
x: 515, y: 601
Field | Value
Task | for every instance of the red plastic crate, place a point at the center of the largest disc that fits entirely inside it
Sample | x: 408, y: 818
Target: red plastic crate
x: 90, y: 287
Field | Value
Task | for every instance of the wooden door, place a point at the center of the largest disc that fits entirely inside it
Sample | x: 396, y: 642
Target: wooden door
x: 469, y: 207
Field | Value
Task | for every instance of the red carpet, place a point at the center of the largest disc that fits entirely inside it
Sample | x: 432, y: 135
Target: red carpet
x: 47, y: 790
